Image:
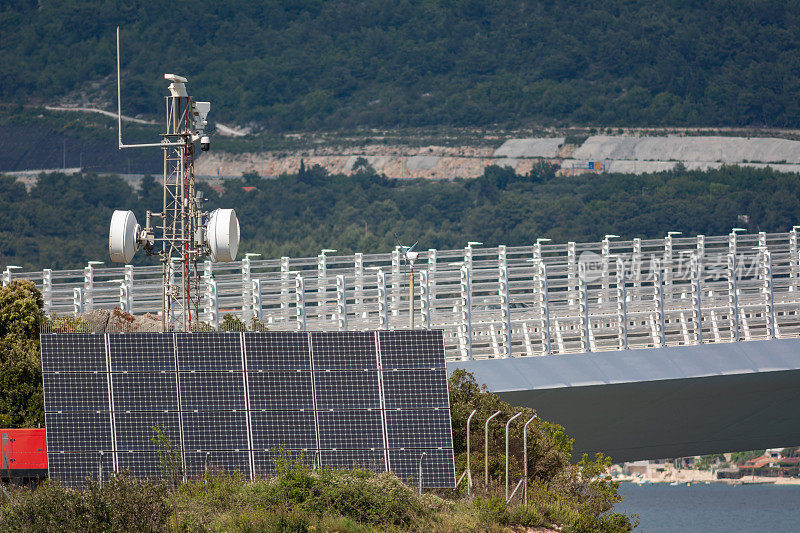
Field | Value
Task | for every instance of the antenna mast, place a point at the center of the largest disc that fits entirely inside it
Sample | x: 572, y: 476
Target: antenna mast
x: 184, y: 227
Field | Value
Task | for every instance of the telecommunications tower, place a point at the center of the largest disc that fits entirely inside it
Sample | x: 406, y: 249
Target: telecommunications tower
x: 186, y: 233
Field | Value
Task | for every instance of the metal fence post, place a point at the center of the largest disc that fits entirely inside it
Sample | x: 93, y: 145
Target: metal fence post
x: 573, y: 284
x: 583, y: 290
x: 486, y: 452
x: 505, y: 309
x: 733, y: 294
x: 124, y: 297
x: 358, y: 264
x: 622, y: 305
x: 508, y: 424
x: 469, y: 469
x: 341, y: 303
x: 765, y: 261
x: 794, y: 260
x: 213, y: 302
x: 257, y: 303
x: 322, y: 284
x: 128, y: 279
x: 425, y: 298
x: 432, y: 274
x: 300, y: 295
x: 697, y: 298
x: 421, y: 458
x: 88, y: 285
x: 658, y: 284
x: 395, y: 299
x: 284, y: 284
x: 466, y: 314
x: 544, y: 305
x: 77, y: 301
x: 47, y: 289
x: 7, y: 274
x: 525, y: 458
x: 383, y: 307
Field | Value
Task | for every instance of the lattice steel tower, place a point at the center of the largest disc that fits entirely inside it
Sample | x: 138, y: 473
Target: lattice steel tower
x: 187, y: 233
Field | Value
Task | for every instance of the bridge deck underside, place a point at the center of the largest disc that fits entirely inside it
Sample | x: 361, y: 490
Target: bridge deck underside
x: 664, y: 403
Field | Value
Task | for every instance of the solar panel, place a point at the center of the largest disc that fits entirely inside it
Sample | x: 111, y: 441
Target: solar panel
x: 70, y: 468
x: 142, y: 352
x: 280, y: 350
x: 292, y: 430
x: 419, y: 428
x: 437, y: 466
x: 208, y: 351
x: 411, y: 349
x: 344, y: 350
x: 145, y: 391
x: 280, y: 390
x: 414, y: 389
x: 137, y: 431
x: 221, y: 430
x: 212, y: 391
x: 374, y: 460
x: 77, y: 391
x: 350, y: 430
x: 347, y: 389
x: 374, y: 400
x: 73, y: 352
x: 78, y: 431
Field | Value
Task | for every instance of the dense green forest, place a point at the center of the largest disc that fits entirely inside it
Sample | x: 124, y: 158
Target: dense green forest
x: 341, y: 64
x: 63, y: 221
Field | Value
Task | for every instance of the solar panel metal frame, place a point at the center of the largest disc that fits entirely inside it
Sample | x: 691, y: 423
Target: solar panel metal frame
x: 354, y: 392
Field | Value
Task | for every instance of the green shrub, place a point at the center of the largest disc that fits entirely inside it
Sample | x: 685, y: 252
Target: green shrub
x: 121, y: 504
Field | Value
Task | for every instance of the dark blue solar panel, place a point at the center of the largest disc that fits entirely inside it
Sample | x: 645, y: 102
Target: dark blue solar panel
x: 219, y: 461
x: 142, y: 352
x: 415, y: 389
x: 78, y: 432
x: 438, y: 469
x: 421, y: 428
x: 220, y: 430
x: 350, y: 430
x: 73, y: 352
x: 362, y: 459
x: 76, y: 391
x: 412, y: 349
x: 292, y: 430
x: 137, y: 431
x: 279, y: 350
x: 347, y: 429
x: 267, y: 461
x: 148, y: 464
x: 347, y: 389
x: 280, y: 390
x: 72, y: 469
x: 212, y: 391
x: 344, y: 350
x: 209, y: 351
x: 145, y: 391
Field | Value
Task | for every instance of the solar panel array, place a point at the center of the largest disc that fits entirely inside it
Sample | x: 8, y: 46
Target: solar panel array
x: 373, y: 400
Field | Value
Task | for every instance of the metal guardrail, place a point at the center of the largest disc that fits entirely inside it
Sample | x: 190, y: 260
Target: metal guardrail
x: 491, y: 302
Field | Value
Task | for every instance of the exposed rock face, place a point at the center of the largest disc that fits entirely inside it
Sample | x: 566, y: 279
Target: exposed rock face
x: 432, y: 162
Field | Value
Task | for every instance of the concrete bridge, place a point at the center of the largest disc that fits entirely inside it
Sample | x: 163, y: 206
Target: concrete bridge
x: 642, y: 349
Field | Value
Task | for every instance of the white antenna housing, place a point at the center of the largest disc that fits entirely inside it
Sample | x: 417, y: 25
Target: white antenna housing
x: 122, y: 236
x: 223, y: 235
x: 177, y: 87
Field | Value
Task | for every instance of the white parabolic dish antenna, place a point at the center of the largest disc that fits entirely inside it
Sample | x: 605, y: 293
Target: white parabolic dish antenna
x: 122, y: 236
x: 223, y: 235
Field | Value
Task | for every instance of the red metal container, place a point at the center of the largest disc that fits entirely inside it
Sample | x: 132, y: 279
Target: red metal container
x: 23, y: 453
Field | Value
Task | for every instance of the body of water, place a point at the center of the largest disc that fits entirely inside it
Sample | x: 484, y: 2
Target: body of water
x: 712, y: 508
